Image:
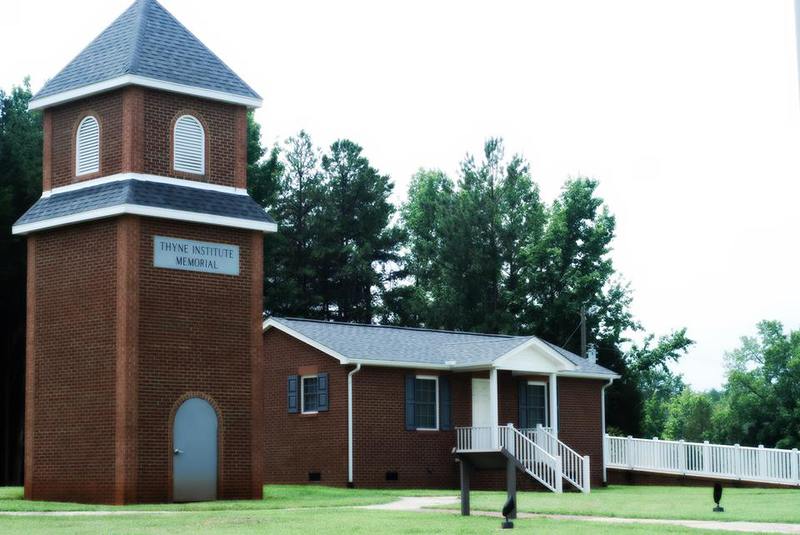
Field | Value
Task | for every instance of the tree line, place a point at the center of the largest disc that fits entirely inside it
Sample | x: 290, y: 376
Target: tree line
x: 478, y: 251
x: 759, y: 402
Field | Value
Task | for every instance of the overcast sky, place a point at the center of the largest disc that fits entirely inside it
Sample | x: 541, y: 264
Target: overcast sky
x: 686, y: 111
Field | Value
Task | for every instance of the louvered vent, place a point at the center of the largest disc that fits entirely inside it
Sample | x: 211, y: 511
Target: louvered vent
x: 190, y: 146
x: 87, y: 147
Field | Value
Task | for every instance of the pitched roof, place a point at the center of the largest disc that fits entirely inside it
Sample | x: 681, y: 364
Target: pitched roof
x: 146, y: 43
x: 407, y: 345
x: 144, y: 198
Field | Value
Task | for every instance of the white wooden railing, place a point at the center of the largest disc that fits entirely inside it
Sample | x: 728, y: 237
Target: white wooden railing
x: 575, y: 467
x: 764, y: 465
x: 536, y: 461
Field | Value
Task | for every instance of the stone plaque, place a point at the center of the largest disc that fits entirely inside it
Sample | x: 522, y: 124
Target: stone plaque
x: 191, y: 255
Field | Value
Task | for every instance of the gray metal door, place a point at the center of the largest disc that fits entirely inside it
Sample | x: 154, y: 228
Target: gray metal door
x: 194, y: 456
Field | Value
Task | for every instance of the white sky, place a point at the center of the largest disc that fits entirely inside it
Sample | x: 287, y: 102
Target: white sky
x: 687, y: 112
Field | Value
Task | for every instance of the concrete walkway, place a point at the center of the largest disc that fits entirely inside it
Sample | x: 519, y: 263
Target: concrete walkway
x: 415, y: 503
x: 422, y: 504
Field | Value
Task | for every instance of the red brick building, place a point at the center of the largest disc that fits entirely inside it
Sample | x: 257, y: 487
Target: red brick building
x: 144, y: 351
x: 379, y: 406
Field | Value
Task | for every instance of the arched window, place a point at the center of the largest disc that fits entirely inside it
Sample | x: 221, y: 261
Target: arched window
x: 189, y: 146
x: 87, y: 146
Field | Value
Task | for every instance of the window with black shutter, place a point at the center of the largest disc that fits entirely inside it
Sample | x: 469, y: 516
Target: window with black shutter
x: 532, y: 404
x: 311, y: 393
x: 310, y: 397
x: 427, y: 402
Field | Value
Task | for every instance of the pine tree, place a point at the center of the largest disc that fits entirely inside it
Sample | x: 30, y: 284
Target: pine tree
x: 356, y: 236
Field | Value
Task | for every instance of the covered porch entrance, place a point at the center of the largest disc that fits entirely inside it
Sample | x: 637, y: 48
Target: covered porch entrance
x: 530, y: 439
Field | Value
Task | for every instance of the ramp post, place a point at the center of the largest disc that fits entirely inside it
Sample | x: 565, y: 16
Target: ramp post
x: 511, y: 487
x: 464, y: 470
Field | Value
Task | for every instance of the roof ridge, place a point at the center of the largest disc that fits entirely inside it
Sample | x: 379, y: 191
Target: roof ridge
x: 499, y: 338
x: 146, y: 45
x: 399, y: 327
x: 211, y: 52
x: 138, y: 32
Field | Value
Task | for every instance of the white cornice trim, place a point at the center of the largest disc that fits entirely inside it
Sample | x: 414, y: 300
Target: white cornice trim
x: 147, y: 211
x: 144, y: 178
x: 133, y: 79
x: 586, y: 375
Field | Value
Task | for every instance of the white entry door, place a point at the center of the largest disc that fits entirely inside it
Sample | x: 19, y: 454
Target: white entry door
x: 481, y: 415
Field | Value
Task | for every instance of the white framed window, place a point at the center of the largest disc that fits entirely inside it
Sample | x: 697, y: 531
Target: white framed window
x: 189, y: 146
x: 309, y: 394
x: 426, y: 403
x: 87, y: 146
x: 536, y: 406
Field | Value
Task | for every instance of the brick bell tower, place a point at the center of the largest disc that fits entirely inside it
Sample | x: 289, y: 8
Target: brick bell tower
x: 144, y: 345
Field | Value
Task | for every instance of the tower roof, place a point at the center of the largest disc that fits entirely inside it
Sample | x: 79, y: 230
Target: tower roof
x: 146, y: 46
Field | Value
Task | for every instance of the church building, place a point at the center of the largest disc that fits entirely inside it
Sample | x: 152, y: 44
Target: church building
x: 145, y: 257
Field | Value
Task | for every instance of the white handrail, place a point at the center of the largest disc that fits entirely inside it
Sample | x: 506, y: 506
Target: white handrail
x: 536, y: 461
x: 765, y: 465
x: 575, y: 466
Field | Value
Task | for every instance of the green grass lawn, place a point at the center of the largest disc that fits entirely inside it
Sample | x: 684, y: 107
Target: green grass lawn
x: 309, y: 509
x: 275, y: 497
x: 687, y: 503
x: 326, y: 521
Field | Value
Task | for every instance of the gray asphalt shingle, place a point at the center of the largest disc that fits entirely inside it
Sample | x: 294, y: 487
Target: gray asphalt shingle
x: 145, y: 193
x: 146, y: 40
x: 419, y: 346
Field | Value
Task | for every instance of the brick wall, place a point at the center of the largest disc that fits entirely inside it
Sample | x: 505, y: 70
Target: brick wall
x: 119, y: 344
x: 421, y: 458
x: 63, y: 125
x: 70, y: 448
x: 136, y: 126
x: 580, y: 420
x: 298, y: 444
x: 195, y: 336
x: 226, y: 142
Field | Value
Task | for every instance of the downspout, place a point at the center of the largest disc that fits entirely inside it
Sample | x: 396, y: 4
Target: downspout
x: 350, y: 424
x: 603, y: 426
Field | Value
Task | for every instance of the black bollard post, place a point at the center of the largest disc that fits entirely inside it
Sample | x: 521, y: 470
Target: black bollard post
x: 718, y: 497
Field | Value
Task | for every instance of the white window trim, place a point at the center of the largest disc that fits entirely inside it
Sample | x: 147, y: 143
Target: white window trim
x: 546, y: 401
x: 303, y: 393
x: 78, y: 147
x: 175, y: 166
x: 434, y: 378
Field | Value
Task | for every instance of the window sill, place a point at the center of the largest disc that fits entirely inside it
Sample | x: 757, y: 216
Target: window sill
x: 426, y: 429
x: 310, y: 413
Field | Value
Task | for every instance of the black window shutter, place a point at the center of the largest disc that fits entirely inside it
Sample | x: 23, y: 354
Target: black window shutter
x: 322, y: 391
x: 444, y: 404
x: 292, y: 390
x: 523, y: 404
x: 410, y: 402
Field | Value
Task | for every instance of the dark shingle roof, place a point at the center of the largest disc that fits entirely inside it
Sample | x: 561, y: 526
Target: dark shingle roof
x: 145, y: 193
x: 146, y: 40
x: 364, y: 342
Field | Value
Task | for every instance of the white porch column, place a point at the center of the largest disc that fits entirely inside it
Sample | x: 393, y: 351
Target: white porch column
x: 494, y: 417
x: 553, y: 392
x: 493, y: 404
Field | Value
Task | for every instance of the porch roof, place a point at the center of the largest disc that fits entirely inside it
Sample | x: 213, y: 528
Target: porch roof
x: 413, y: 347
